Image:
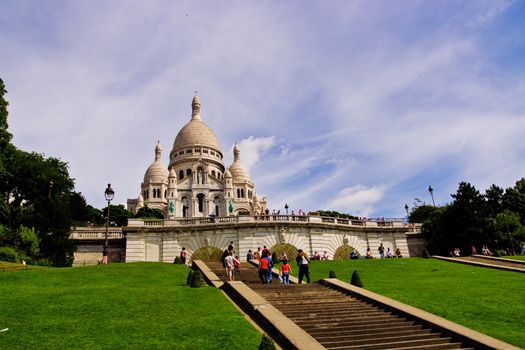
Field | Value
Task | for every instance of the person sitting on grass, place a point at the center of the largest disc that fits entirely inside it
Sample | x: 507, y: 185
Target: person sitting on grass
x: 398, y: 253
x: 368, y: 254
x: 389, y: 253
x: 353, y: 255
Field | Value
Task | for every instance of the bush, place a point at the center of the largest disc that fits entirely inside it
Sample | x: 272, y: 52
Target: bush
x: 190, y: 278
x: 197, y: 281
x: 332, y: 274
x: 9, y: 254
x: 425, y: 253
x: 356, y: 280
x: 497, y: 253
x: 266, y: 343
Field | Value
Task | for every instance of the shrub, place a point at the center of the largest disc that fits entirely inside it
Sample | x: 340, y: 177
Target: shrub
x: 356, y: 279
x: 197, y: 281
x: 425, y: 253
x: 190, y: 278
x: 266, y: 343
x: 332, y: 274
x: 177, y: 260
x: 497, y: 253
x: 9, y: 254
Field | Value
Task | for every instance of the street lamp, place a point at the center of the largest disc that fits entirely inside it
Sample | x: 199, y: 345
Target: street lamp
x: 286, y: 208
x: 109, y: 194
x: 406, y: 209
x: 431, y: 191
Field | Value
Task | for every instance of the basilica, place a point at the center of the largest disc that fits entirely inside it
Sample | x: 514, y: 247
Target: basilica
x: 196, y: 183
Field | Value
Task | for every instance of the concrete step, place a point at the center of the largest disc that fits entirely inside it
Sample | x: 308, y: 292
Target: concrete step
x: 340, y: 321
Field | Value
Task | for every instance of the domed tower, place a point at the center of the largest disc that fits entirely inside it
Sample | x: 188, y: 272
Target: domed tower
x: 155, y: 185
x: 197, y: 160
x: 243, y: 187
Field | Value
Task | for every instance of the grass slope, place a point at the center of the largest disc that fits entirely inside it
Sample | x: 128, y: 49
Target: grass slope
x: 487, y: 300
x: 131, y: 306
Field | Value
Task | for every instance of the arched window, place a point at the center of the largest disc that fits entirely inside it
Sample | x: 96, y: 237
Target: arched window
x: 188, y: 172
x: 165, y: 193
x: 181, y: 174
x: 200, y: 198
x: 238, y: 193
x: 242, y: 193
x: 213, y: 173
x: 217, y: 203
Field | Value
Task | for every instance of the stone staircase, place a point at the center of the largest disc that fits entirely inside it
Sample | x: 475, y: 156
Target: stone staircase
x: 340, y: 321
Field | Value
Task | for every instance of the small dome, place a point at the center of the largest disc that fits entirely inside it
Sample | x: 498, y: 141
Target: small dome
x: 157, y: 172
x: 172, y: 173
x: 227, y: 174
x: 237, y: 169
x: 140, y: 199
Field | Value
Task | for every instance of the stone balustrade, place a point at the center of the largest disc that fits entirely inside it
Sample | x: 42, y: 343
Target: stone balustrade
x: 95, y: 233
x: 390, y: 222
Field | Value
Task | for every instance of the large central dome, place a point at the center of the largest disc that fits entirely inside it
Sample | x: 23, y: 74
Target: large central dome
x: 196, y: 132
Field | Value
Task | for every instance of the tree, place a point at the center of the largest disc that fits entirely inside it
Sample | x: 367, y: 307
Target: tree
x: 421, y: 213
x: 149, y: 213
x: 118, y: 215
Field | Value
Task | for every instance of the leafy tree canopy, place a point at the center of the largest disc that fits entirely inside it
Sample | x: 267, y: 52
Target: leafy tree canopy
x: 149, y: 213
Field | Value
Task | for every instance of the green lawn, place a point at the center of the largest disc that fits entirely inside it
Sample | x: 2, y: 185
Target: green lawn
x: 117, y: 306
x: 515, y: 257
x: 487, y: 300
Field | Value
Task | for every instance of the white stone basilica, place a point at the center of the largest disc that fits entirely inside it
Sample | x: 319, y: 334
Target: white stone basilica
x: 196, y: 183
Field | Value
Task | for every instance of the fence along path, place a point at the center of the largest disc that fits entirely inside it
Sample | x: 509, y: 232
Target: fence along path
x: 340, y: 321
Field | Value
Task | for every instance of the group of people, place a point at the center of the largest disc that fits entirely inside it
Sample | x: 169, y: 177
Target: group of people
x: 285, y: 269
x: 231, y: 262
x: 382, y: 253
x: 319, y: 256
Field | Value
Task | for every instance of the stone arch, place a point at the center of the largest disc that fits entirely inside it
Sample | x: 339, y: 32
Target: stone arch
x: 208, y: 253
x: 343, y: 252
x: 290, y: 250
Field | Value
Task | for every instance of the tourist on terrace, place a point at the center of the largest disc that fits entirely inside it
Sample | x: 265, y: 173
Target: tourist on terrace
x: 304, y: 268
x: 485, y: 251
x: 249, y: 256
x: 457, y: 252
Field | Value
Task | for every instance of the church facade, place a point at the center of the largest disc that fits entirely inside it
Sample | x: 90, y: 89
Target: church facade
x: 196, y: 184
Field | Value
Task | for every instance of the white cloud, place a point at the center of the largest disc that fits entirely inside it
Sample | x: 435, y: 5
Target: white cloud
x: 382, y: 98
x: 357, y: 200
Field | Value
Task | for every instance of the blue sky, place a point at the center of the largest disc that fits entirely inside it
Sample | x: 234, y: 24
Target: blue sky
x: 355, y: 106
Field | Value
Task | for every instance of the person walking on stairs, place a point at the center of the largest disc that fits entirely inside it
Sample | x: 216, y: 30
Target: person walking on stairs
x: 304, y: 266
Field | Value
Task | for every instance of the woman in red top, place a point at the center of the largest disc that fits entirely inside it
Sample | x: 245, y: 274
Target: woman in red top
x: 263, y: 269
x: 285, y: 270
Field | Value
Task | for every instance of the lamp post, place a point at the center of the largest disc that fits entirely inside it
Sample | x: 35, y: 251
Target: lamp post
x: 406, y: 209
x: 109, y: 194
x: 286, y: 208
x: 431, y: 191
